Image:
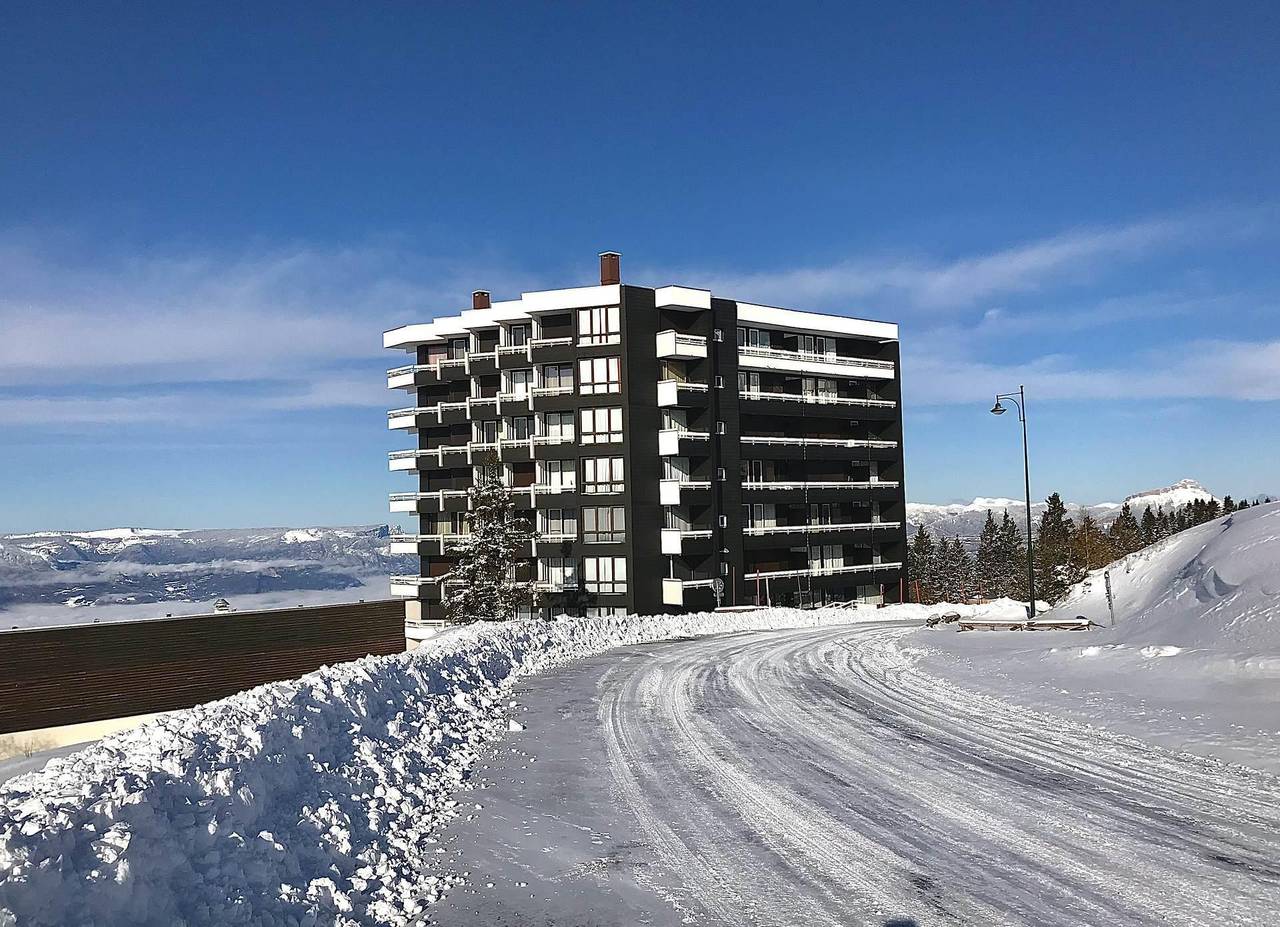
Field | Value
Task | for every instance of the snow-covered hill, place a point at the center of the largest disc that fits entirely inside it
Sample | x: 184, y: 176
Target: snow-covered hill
x: 139, y: 566
x: 964, y: 519
x: 1214, y: 586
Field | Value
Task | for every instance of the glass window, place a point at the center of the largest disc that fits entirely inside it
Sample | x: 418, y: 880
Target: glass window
x: 558, y: 521
x: 602, y: 475
x: 518, y: 335
x: 599, y: 375
x: 601, y: 426
x: 600, y: 325
x: 561, y: 474
x: 559, y: 572
x: 557, y: 376
x: 604, y: 524
x: 520, y: 428
x: 519, y: 382
x: 458, y: 348
x: 486, y: 432
x: 605, y: 574
x: 559, y: 424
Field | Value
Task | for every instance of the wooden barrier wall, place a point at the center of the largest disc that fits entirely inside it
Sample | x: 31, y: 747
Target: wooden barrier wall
x: 55, y: 676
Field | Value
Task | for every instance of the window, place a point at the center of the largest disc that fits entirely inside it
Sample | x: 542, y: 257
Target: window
x: 519, y: 382
x: 520, y: 428
x: 604, y: 524
x: 752, y: 471
x: 817, y: 344
x: 830, y: 556
x: 559, y: 424
x: 486, y: 432
x: 675, y: 468
x: 748, y: 383
x: 518, y: 335
x: 723, y: 521
x: 607, y: 611
x: 752, y: 338
x: 721, y: 475
x: 599, y: 325
x: 601, y: 426
x: 599, y: 375
x: 558, y: 521
x: 458, y: 348
x: 817, y: 386
x: 820, y: 514
x: 560, y: 474
x: 717, y: 334
x: 719, y: 428
x: 719, y: 382
x: 602, y: 475
x: 557, y: 376
x: 605, y: 575
x: 558, y: 572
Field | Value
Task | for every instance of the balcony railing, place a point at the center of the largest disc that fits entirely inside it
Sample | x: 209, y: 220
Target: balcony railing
x: 673, y: 344
x: 552, y: 390
x: 819, y: 399
x: 824, y: 570
x: 818, y: 442
x: 759, y: 530
x: 813, y: 357
x: 820, y: 484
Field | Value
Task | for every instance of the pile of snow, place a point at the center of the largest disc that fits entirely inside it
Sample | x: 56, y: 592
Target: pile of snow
x: 300, y: 802
x: 1215, y: 586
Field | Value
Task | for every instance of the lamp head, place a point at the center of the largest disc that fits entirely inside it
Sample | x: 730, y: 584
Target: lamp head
x: 997, y: 409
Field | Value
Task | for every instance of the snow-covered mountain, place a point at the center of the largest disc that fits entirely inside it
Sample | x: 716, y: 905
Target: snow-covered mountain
x: 146, y: 565
x: 964, y: 519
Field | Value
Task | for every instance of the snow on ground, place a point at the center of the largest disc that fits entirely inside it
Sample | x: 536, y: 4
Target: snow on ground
x: 300, y: 802
x: 1193, y: 662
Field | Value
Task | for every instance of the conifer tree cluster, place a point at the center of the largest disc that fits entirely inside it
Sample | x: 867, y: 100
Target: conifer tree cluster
x: 482, y: 586
x: 941, y: 569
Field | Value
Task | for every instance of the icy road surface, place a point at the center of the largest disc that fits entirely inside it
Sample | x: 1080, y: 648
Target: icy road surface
x: 814, y: 777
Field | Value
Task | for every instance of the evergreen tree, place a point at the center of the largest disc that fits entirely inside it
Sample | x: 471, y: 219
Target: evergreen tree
x: 1149, y: 527
x: 1011, y: 560
x: 954, y: 571
x: 1228, y: 505
x: 921, y: 566
x: 1243, y: 504
x: 482, y: 587
x: 964, y: 572
x: 1164, y: 525
x: 1125, y: 533
x: 1055, y: 536
x: 989, y: 581
x: 1092, y: 548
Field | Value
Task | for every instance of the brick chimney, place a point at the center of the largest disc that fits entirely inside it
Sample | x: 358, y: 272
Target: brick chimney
x: 480, y: 299
x: 610, y: 269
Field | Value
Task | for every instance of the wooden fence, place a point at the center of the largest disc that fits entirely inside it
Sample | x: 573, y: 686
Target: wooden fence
x: 55, y: 676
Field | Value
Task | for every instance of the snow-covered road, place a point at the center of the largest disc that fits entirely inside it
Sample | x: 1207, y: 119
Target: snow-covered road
x: 815, y: 777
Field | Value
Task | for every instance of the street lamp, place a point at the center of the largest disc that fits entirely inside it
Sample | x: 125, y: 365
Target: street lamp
x: 1019, y: 399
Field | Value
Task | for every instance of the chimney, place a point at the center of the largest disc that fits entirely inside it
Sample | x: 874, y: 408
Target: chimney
x: 480, y: 299
x: 610, y: 271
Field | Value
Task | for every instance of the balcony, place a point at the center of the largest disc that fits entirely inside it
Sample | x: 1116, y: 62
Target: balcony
x: 820, y: 484
x: 678, y: 392
x: 412, y: 543
x: 673, y: 590
x: 833, y: 570
x: 818, y: 442
x: 674, y: 346
x: 751, y: 357
x: 669, y: 490
x: 411, y: 501
x: 542, y: 391
x: 410, y: 587
x: 819, y: 399
x: 673, y: 538
x: 408, y: 418
x: 763, y: 530
x: 669, y: 439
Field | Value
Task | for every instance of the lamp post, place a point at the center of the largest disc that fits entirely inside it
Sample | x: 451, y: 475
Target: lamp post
x: 1019, y: 399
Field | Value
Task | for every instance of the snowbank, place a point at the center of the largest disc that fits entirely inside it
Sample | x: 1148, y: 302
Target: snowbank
x: 1214, y: 586
x: 311, y: 801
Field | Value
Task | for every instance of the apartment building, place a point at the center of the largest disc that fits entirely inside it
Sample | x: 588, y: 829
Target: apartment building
x: 673, y: 448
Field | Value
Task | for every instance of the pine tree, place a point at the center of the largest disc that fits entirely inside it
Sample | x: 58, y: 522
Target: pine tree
x: 1125, y: 533
x: 1092, y: 548
x: 482, y: 587
x: 964, y: 572
x: 1149, y: 527
x: 921, y: 566
x: 1228, y: 505
x: 1244, y: 504
x: 1011, y: 560
x: 1055, y: 570
x: 988, y: 580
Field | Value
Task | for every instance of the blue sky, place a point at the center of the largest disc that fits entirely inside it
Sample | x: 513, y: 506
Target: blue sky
x: 208, y: 215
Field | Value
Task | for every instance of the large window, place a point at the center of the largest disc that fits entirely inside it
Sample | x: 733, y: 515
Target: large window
x: 558, y: 521
x: 602, y: 475
x: 486, y: 432
x: 559, y: 425
x: 604, y: 524
x: 560, y: 474
x: 518, y: 335
x: 557, y: 376
x: 559, y: 572
x: 600, y: 426
x: 605, y: 574
x: 599, y: 325
x: 519, y: 382
x: 599, y: 375
x: 520, y: 428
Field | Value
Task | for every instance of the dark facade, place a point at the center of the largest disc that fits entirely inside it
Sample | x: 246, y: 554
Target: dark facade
x: 666, y: 443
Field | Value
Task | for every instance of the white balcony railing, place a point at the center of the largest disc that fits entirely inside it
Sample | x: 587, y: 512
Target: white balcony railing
x: 818, y: 442
x: 819, y: 399
x: 824, y: 570
x: 759, y: 530
x: 820, y: 484
x: 673, y: 344
x: 552, y: 390
x: 812, y: 357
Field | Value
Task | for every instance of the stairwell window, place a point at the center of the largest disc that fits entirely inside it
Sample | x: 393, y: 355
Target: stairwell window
x: 600, y: 325
x: 601, y: 426
x: 604, y: 524
x: 605, y: 575
x: 599, y: 375
x: 601, y: 475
